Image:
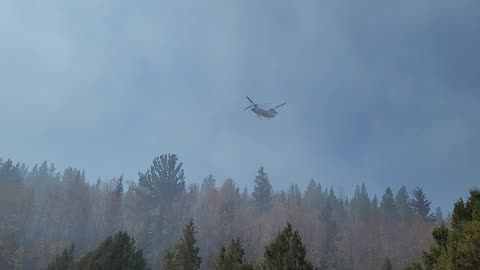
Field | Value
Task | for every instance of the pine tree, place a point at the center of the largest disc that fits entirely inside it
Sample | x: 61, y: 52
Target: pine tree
x: 184, y: 256
x: 163, y: 181
x: 364, y: 202
x: 118, y: 190
x: 114, y: 215
x: 294, y: 195
x: 360, y: 202
x: 401, y: 202
x: 263, y: 190
x: 232, y: 258
x: 63, y: 261
x: 116, y: 253
x: 420, y: 206
x: 208, y: 184
x: 312, y: 198
x: 387, y: 205
x: 286, y: 252
x: 170, y: 262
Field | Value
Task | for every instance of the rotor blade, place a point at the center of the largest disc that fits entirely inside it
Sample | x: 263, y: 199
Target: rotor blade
x: 280, y: 105
x: 248, y: 107
x: 250, y: 100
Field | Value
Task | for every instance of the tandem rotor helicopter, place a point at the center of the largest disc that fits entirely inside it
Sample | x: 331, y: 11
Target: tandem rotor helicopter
x: 262, y: 111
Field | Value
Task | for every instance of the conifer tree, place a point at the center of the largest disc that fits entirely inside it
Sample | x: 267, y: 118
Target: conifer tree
x: 118, y: 190
x: 208, y: 184
x: 458, y: 248
x: 163, y: 181
x: 263, y: 190
x: 63, y: 261
x: 232, y: 258
x: 294, y: 194
x: 184, y: 256
x: 360, y: 202
x: 420, y: 206
x: 286, y: 252
x: 401, y: 202
x: 116, y: 253
x: 387, y: 205
x: 312, y: 197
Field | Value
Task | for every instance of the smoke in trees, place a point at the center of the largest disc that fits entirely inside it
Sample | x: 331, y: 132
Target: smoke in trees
x: 43, y: 211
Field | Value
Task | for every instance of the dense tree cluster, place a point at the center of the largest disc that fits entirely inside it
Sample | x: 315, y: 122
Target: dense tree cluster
x: 43, y: 211
x: 457, y: 248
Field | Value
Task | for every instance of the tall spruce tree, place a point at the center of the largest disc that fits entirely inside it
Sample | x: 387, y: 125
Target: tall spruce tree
x: 420, y: 206
x: 360, y: 202
x: 312, y: 197
x: 387, y: 205
x: 286, y: 252
x: 364, y: 202
x: 184, y: 256
x: 401, y: 202
x: 263, y: 190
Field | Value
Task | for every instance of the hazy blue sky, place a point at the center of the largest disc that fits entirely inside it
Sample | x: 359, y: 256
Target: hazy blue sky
x: 377, y: 92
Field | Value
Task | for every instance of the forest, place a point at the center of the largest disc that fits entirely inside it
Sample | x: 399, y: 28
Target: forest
x: 51, y: 219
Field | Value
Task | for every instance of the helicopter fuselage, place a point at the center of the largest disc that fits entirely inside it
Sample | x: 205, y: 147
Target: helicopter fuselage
x: 264, y: 113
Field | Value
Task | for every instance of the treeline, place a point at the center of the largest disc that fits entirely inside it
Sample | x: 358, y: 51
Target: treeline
x: 43, y: 211
x: 457, y: 248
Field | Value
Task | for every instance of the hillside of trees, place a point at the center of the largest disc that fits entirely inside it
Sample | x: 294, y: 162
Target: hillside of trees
x: 60, y: 220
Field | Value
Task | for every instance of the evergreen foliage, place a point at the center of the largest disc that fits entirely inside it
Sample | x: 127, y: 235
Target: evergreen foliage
x: 63, y: 261
x: 164, y: 180
x: 115, y: 253
x: 286, y: 252
x: 42, y: 210
x: 263, y: 190
x: 458, y: 248
x: 184, y: 256
x: 387, y: 205
x: 420, y: 206
x: 401, y: 203
x: 232, y: 258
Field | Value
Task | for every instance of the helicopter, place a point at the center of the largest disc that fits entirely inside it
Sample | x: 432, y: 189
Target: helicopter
x: 262, y: 111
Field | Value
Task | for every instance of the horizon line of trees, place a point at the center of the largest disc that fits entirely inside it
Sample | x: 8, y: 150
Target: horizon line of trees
x: 455, y: 248
x: 42, y: 210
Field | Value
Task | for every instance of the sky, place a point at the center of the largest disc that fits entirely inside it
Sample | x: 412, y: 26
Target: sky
x: 385, y: 94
